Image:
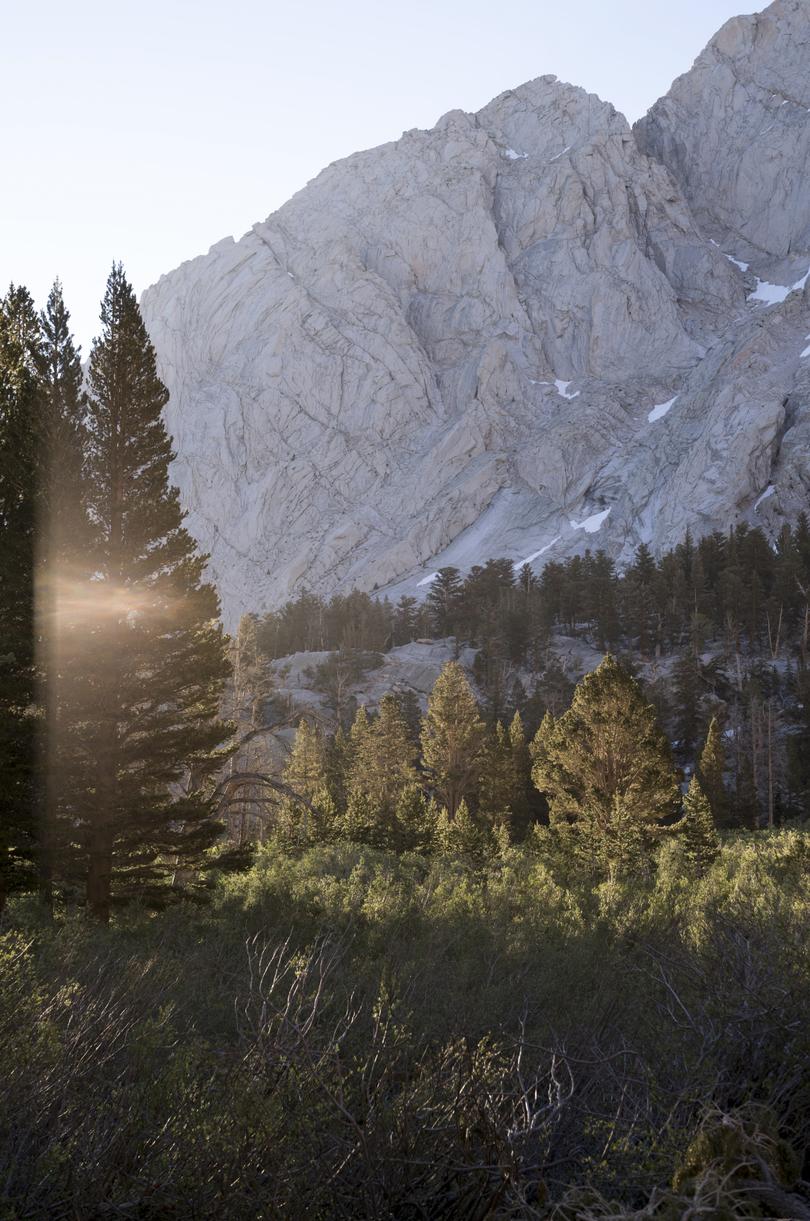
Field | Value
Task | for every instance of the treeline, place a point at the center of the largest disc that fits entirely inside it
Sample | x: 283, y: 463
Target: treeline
x: 600, y: 779
x: 734, y: 589
x: 716, y: 630
x: 113, y: 661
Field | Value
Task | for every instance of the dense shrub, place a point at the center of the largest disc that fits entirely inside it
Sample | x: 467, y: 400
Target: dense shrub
x: 350, y: 1033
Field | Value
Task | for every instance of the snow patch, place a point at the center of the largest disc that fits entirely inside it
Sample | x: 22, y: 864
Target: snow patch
x: 737, y: 262
x: 427, y: 580
x: 769, y: 491
x: 567, y: 149
x: 536, y: 554
x: 658, y: 412
x: 562, y: 389
x: 775, y: 294
x: 806, y: 351
x: 513, y: 156
x: 770, y: 294
x: 591, y: 524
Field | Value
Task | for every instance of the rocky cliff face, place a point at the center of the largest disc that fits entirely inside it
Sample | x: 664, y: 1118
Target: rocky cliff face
x: 524, y: 332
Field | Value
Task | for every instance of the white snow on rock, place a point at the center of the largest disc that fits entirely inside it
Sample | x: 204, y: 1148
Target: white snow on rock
x: 427, y: 580
x: 806, y: 351
x: 661, y: 410
x: 737, y: 262
x: 591, y: 524
x: 535, y: 555
x: 769, y: 294
x: 514, y: 156
x: 775, y: 294
x: 769, y: 491
x: 562, y: 389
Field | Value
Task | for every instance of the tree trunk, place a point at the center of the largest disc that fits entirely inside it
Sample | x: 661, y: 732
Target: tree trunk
x: 99, y: 873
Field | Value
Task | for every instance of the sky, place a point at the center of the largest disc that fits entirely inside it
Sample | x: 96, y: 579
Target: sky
x: 147, y: 130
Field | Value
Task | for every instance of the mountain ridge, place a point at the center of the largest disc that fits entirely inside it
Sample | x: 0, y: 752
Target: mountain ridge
x: 483, y: 338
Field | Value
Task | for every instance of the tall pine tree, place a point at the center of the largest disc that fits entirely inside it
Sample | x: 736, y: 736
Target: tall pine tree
x: 453, y: 738
x: 606, y: 769
x: 145, y: 730
x: 64, y: 556
x: 19, y: 414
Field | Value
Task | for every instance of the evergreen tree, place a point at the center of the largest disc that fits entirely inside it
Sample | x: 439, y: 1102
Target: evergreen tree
x: 497, y: 785
x: 687, y: 691
x: 145, y: 716
x: 64, y: 557
x: 310, y: 819
x: 697, y: 828
x: 460, y: 836
x: 406, y: 620
x: 606, y: 769
x: 521, y: 773
x: 382, y: 768
x: 711, y: 774
x: 640, y: 599
x: 453, y: 738
x: 411, y: 711
x: 414, y: 821
x: 443, y: 602
x: 19, y: 407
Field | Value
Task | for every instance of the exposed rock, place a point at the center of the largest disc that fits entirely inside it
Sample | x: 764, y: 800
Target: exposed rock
x: 734, y: 132
x: 508, y: 335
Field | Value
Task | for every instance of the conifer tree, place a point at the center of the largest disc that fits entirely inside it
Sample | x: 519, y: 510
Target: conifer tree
x: 145, y: 716
x: 686, y: 682
x: 444, y: 601
x: 521, y: 772
x: 497, y: 786
x: 697, y: 828
x: 453, y: 738
x: 382, y: 768
x: 64, y: 560
x: 306, y: 774
x: 606, y: 769
x: 384, y: 756
x: 19, y: 405
x: 711, y: 774
x: 461, y: 836
x: 414, y: 821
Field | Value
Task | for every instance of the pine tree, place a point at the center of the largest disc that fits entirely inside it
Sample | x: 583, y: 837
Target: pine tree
x: 145, y: 717
x: 687, y: 691
x: 711, y: 774
x: 521, y: 772
x: 497, y: 785
x: 64, y: 557
x: 606, y: 769
x: 460, y: 836
x: 697, y: 828
x: 453, y: 738
x: 19, y: 408
x: 414, y: 821
x: 307, y: 815
x: 443, y: 602
x: 382, y: 769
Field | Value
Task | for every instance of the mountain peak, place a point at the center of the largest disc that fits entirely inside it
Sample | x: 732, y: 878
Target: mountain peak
x: 525, y: 332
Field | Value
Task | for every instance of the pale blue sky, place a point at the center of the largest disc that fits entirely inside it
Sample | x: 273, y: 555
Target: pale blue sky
x: 148, y: 131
